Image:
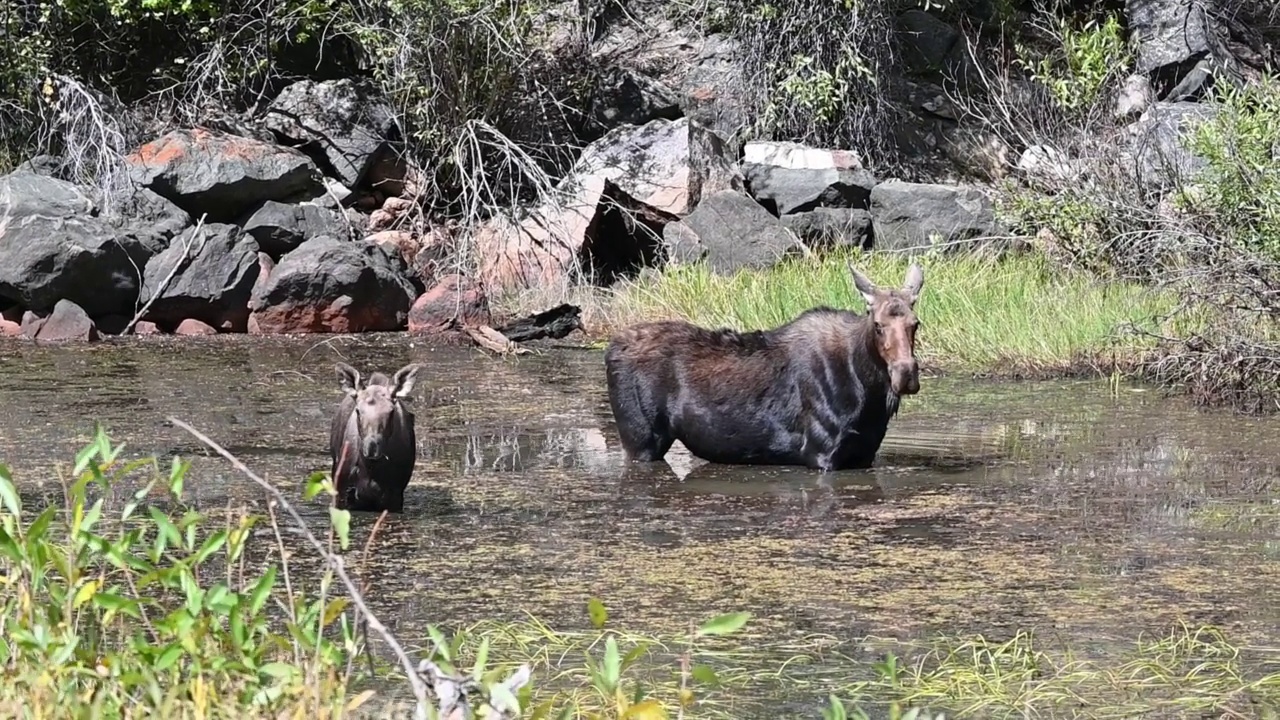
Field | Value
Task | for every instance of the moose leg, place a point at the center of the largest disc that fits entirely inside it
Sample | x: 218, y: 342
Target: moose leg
x: 645, y: 434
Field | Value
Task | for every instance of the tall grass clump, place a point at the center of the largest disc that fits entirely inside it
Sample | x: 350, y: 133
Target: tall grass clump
x: 1018, y: 315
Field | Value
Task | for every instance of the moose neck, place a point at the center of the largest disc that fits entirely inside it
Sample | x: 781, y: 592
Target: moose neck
x: 872, y: 366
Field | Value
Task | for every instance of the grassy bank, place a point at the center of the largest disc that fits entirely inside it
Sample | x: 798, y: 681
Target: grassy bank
x: 1016, y: 316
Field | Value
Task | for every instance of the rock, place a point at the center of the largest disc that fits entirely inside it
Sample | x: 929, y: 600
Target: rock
x: 11, y: 323
x: 711, y: 168
x: 932, y: 47
x: 219, y: 266
x: 225, y: 176
x: 344, y: 124
x: 1156, y: 147
x: 977, y: 153
x: 906, y: 215
x: 145, y: 327
x: 627, y: 97
x: 1134, y: 97
x: 540, y: 250
x: 1045, y: 162
x: 68, y: 321
x: 1178, y: 47
x: 329, y: 285
x: 454, y: 302
x: 402, y: 241
x: 731, y: 231
x: 831, y: 227
x: 280, y: 227
x: 648, y: 163
x: 30, y: 324
x: 192, y: 327
x: 790, y: 177
x: 53, y: 246
x: 708, y: 92
x: 150, y: 220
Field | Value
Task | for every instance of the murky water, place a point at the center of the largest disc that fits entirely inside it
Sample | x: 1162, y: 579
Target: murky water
x: 1083, y: 513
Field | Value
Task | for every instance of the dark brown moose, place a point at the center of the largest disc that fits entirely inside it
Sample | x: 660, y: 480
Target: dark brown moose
x: 818, y: 391
x: 372, y: 440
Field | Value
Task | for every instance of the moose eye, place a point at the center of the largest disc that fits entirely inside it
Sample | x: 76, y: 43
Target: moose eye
x: 879, y: 329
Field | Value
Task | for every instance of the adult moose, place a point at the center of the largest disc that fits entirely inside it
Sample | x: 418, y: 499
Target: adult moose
x: 372, y: 440
x: 818, y: 391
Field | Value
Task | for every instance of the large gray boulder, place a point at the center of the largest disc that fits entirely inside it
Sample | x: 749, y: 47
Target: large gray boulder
x: 210, y: 274
x: 221, y: 175
x: 328, y: 285
x: 908, y: 215
x: 1178, y: 46
x: 730, y: 231
x: 831, y: 227
x: 795, y: 178
x: 1158, y: 145
x: 54, y: 246
x: 279, y: 227
x: 344, y: 124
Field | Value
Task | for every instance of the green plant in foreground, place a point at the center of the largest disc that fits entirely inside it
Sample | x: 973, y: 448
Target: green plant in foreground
x: 137, y: 609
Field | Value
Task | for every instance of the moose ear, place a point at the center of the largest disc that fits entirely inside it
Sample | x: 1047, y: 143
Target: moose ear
x: 348, y: 378
x: 915, y: 281
x: 405, y: 379
x: 864, y: 286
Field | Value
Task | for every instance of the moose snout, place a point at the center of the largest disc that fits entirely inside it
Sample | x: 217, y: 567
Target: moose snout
x: 372, y: 447
x: 905, y: 377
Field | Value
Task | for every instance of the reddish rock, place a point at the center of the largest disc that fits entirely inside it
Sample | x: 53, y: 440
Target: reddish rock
x: 145, y: 327
x: 11, y: 322
x: 402, y: 240
x: 191, y: 326
x: 68, y: 321
x: 455, y: 300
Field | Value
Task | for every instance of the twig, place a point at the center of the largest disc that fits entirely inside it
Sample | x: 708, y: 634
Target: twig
x: 334, y: 561
x: 186, y: 253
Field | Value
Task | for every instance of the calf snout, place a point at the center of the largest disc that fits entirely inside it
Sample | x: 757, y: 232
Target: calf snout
x: 905, y: 377
x: 372, y: 447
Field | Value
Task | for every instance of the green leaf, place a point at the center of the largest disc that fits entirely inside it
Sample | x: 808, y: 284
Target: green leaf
x: 279, y: 670
x: 341, y: 520
x: 169, y: 657
x: 210, y: 546
x: 316, y: 484
x: 597, y: 612
x: 9, y: 494
x: 482, y: 658
x: 611, y: 667
x: 261, y: 591
x: 704, y: 674
x: 724, y: 624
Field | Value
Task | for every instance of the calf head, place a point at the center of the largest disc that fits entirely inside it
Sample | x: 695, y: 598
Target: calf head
x: 377, y: 404
x: 893, y: 313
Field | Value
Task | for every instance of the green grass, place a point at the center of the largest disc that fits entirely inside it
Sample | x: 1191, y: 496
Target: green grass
x: 1016, y: 316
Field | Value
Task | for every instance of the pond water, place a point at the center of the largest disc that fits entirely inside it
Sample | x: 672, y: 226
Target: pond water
x: 1077, y: 510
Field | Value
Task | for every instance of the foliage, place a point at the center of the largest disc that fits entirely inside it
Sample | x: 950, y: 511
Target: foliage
x: 145, y: 609
x: 1084, y: 61
x: 1240, y: 189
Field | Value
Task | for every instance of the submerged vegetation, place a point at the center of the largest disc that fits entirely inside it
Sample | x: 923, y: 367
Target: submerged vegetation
x: 1016, y: 316
x: 121, y: 600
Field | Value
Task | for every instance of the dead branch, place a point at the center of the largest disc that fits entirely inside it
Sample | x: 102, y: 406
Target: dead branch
x: 186, y: 255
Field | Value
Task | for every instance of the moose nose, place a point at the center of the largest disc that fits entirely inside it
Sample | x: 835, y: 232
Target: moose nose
x: 373, y: 448
x: 906, y: 378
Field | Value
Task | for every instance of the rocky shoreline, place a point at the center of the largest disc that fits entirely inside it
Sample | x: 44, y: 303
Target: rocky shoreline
x: 310, y: 220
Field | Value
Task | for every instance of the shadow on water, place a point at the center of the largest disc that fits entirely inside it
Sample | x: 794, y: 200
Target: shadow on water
x: 1056, y: 507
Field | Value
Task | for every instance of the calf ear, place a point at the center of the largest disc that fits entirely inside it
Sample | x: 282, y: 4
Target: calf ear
x: 348, y: 378
x: 404, y: 380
